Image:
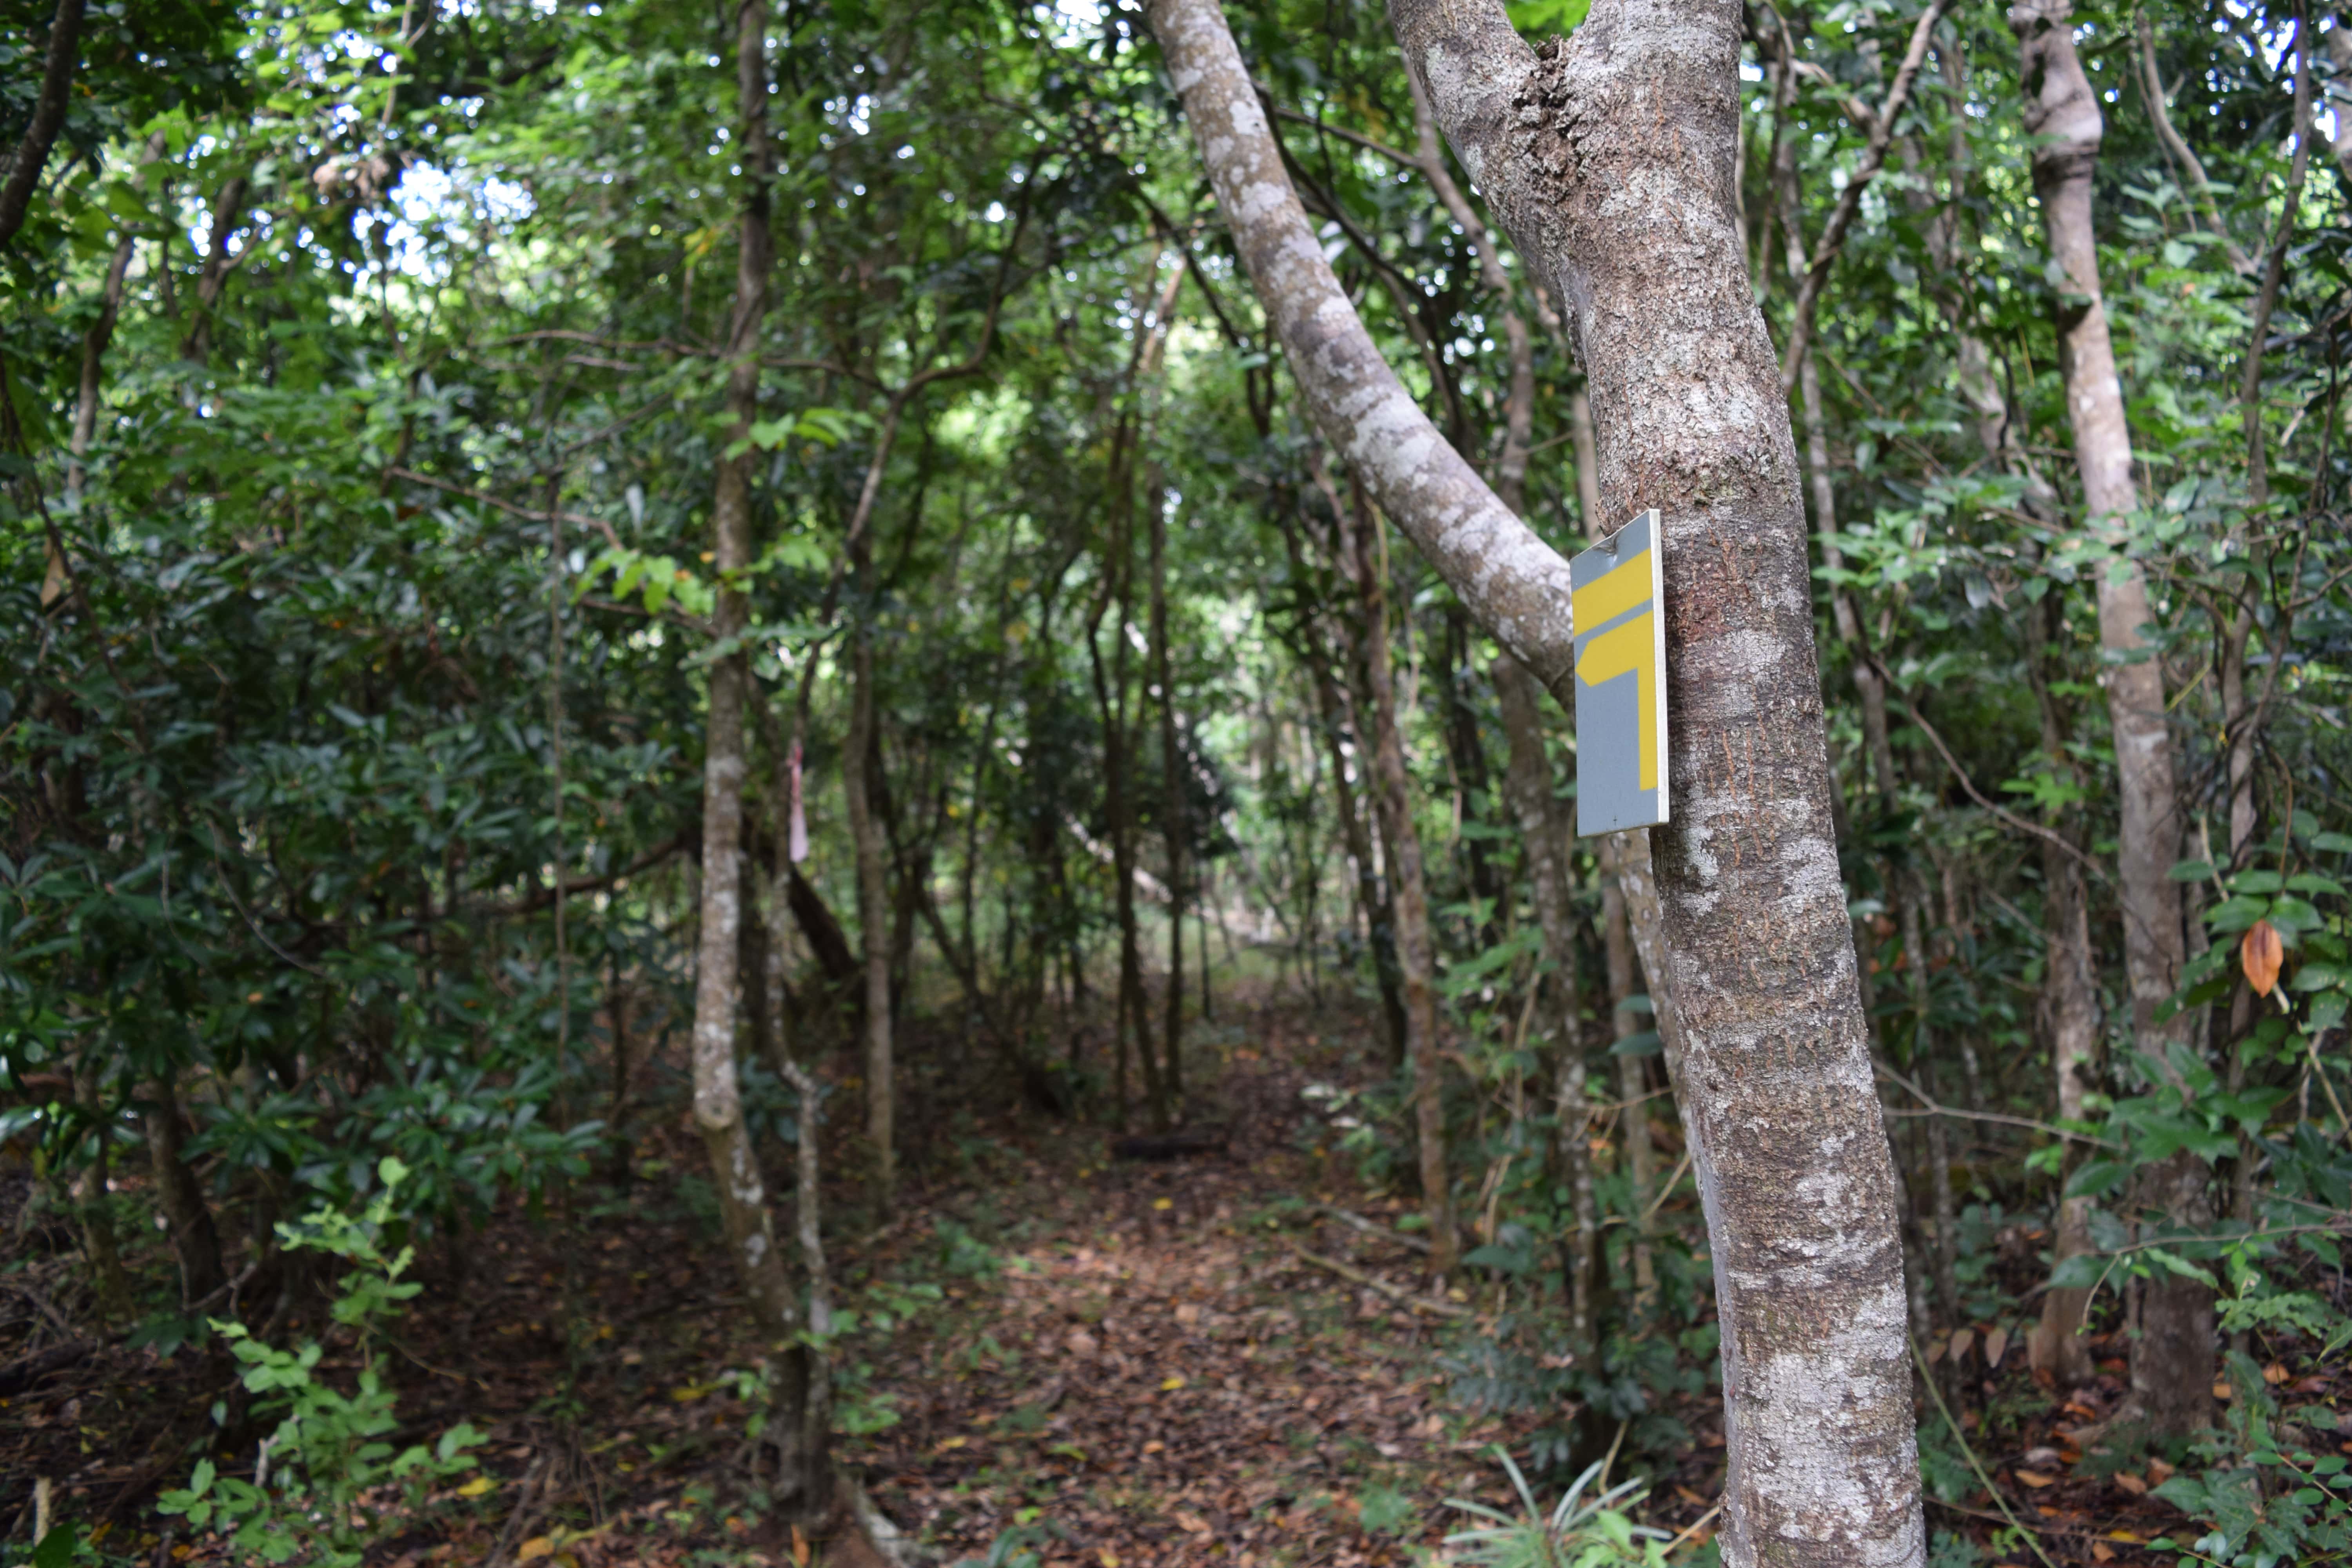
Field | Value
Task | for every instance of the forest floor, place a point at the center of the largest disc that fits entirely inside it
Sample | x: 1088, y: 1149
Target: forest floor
x: 1099, y: 1362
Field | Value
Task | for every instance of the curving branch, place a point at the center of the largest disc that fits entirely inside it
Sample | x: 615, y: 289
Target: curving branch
x: 48, y: 118
x: 1881, y: 129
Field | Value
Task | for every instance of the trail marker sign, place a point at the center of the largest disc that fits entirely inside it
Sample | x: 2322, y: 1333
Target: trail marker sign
x: 1618, y: 598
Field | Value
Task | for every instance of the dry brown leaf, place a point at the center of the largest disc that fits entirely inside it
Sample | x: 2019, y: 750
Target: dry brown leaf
x: 2159, y: 1472
x: 1996, y: 1346
x: 2034, y: 1478
x: 538, y: 1546
x: 1961, y: 1340
x: 2275, y: 1375
x: 2131, y: 1483
x: 2262, y: 953
x: 2103, y: 1553
x: 800, y: 1547
x: 1191, y: 1523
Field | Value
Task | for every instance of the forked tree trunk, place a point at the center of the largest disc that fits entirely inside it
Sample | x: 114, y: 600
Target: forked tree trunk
x: 2172, y: 1359
x: 1610, y: 162
x: 718, y: 1099
x: 1545, y: 828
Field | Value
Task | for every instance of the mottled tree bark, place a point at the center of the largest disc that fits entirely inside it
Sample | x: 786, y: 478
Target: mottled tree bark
x: 718, y: 1103
x: 2172, y: 1362
x: 1610, y: 162
x: 1618, y: 943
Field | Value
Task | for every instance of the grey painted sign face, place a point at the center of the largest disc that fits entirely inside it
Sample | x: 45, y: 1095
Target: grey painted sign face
x: 1617, y: 596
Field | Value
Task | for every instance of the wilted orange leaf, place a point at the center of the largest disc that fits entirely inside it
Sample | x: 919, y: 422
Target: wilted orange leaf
x: 800, y: 1547
x: 538, y: 1546
x: 2262, y: 952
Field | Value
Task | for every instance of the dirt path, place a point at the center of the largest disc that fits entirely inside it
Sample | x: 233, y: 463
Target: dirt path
x: 1116, y: 1362
x: 1149, y: 1371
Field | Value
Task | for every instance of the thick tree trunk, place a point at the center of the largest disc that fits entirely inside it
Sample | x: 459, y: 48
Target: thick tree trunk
x: 718, y: 1099
x: 859, y: 761
x: 1631, y: 921
x: 2172, y: 1362
x: 1642, y: 104
x: 1416, y: 953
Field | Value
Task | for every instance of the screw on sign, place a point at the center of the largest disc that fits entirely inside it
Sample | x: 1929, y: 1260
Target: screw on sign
x: 1617, y: 599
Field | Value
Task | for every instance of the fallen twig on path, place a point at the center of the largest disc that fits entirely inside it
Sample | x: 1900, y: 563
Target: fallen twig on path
x: 1396, y: 1293
x: 1360, y: 1223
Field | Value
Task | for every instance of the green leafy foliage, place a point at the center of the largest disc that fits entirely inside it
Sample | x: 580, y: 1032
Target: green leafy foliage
x: 316, y: 1490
